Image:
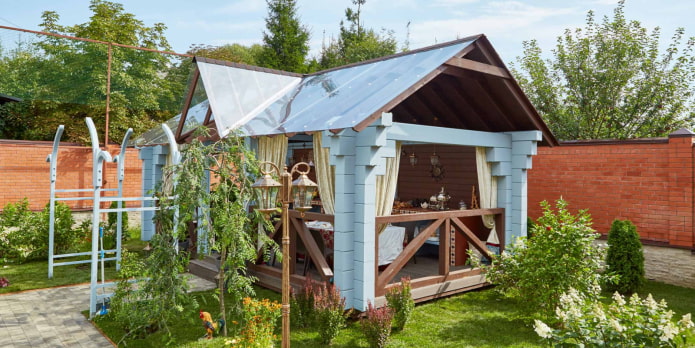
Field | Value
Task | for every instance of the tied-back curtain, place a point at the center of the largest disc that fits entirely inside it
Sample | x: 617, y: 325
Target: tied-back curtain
x: 488, y: 191
x: 325, y: 175
x: 386, y: 186
x: 274, y: 150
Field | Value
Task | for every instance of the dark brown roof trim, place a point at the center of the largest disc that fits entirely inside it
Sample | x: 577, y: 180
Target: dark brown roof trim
x: 244, y: 66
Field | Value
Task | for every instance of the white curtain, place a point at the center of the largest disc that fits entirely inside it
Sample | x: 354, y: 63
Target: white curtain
x: 325, y: 175
x: 386, y: 185
x: 273, y: 149
x: 488, y: 192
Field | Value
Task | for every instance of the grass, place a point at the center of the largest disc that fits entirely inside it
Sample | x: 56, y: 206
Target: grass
x: 474, y: 319
x: 34, y: 274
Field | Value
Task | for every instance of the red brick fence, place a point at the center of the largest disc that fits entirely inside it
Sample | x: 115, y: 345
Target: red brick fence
x: 648, y: 181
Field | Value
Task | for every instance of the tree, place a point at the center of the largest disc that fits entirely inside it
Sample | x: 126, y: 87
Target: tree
x: 67, y: 78
x: 286, y: 41
x: 355, y: 43
x: 625, y: 257
x: 609, y: 80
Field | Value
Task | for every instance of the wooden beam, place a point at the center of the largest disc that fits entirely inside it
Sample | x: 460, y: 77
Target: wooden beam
x: 483, y: 68
x: 395, y: 101
x: 444, y: 108
x: 434, y: 215
x: 447, y: 136
x: 471, y: 237
x: 187, y: 104
x: 392, y: 270
x: 445, y: 248
x: 312, y: 248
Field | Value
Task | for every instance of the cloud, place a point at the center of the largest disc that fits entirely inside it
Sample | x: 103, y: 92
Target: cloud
x: 242, y: 6
x: 221, y: 26
x: 451, y: 3
x: 500, y: 18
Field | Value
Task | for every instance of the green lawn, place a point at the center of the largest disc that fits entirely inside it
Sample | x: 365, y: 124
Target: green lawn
x: 34, y: 274
x: 475, y: 319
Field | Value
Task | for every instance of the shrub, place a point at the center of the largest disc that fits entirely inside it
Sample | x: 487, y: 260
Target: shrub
x: 561, y: 255
x: 330, y: 312
x: 259, y: 322
x: 302, y: 305
x: 625, y: 258
x: 24, y: 234
x: 377, y: 325
x: 634, y: 323
x: 401, y: 303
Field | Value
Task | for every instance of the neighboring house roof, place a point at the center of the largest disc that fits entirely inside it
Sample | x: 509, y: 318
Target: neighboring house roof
x: 458, y: 84
x: 4, y: 98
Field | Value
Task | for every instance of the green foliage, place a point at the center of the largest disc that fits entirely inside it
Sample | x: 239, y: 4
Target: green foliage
x: 302, y: 305
x: 24, y: 234
x: 62, y: 81
x: 286, y: 41
x: 127, y: 309
x: 377, y: 325
x: 401, y: 302
x: 625, y: 258
x: 561, y: 255
x: 330, y: 312
x: 355, y: 43
x: 637, y: 323
x: 609, y: 80
x: 231, y: 52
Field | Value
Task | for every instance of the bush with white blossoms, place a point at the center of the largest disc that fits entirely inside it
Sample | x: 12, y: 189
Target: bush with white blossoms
x: 633, y: 323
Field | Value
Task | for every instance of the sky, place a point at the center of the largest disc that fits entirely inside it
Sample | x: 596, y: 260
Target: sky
x: 506, y: 23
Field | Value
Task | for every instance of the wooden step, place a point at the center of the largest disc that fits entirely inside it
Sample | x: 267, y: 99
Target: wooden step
x: 204, y: 269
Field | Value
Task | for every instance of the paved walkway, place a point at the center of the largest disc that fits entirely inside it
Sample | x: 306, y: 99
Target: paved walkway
x: 52, y: 317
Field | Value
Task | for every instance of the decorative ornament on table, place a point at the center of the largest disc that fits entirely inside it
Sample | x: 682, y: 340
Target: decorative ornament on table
x: 474, y: 199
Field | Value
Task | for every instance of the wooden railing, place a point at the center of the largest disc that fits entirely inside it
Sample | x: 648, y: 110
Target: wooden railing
x: 446, y: 221
x: 298, y: 229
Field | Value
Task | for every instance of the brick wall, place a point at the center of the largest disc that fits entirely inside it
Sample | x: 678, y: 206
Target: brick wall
x: 649, y: 182
x: 24, y: 172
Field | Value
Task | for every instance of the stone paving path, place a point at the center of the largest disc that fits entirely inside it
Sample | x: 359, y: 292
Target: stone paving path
x: 52, y: 317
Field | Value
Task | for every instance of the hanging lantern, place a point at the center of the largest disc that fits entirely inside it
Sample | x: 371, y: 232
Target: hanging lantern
x: 303, y: 190
x: 434, y: 159
x: 266, y: 189
x: 413, y: 159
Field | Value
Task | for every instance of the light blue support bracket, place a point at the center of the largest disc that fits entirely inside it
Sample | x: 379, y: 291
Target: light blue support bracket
x: 99, y: 156
x: 120, y: 160
x: 53, y: 160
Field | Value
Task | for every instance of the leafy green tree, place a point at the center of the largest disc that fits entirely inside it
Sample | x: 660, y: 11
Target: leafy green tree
x: 67, y: 79
x: 355, y: 43
x: 610, y: 80
x: 625, y: 257
x: 286, y: 41
x: 225, y: 214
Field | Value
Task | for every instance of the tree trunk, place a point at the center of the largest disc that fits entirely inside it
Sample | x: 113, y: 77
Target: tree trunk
x: 220, y: 285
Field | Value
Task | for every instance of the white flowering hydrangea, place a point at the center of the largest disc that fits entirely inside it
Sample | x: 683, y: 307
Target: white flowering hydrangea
x: 585, y: 322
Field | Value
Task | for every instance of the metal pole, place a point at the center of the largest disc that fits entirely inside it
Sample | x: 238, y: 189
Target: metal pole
x: 108, y: 96
x: 285, y: 193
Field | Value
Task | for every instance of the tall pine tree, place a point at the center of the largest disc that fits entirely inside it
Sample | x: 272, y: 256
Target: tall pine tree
x: 356, y: 43
x: 286, y: 41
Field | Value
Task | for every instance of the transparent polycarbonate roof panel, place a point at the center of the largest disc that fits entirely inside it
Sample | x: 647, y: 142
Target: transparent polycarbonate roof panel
x: 343, y: 98
x: 156, y: 135
x: 236, y: 95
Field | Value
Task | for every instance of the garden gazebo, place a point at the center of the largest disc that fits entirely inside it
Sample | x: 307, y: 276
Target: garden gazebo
x: 354, y: 123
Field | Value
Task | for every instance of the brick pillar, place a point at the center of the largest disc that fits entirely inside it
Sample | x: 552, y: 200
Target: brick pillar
x: 680, y: 188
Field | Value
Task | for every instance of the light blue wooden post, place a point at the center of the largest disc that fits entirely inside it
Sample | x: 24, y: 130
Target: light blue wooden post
x: 500, y: 159
x: 524, y: 145
x: 154, y: 159
x: 342, y: 156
